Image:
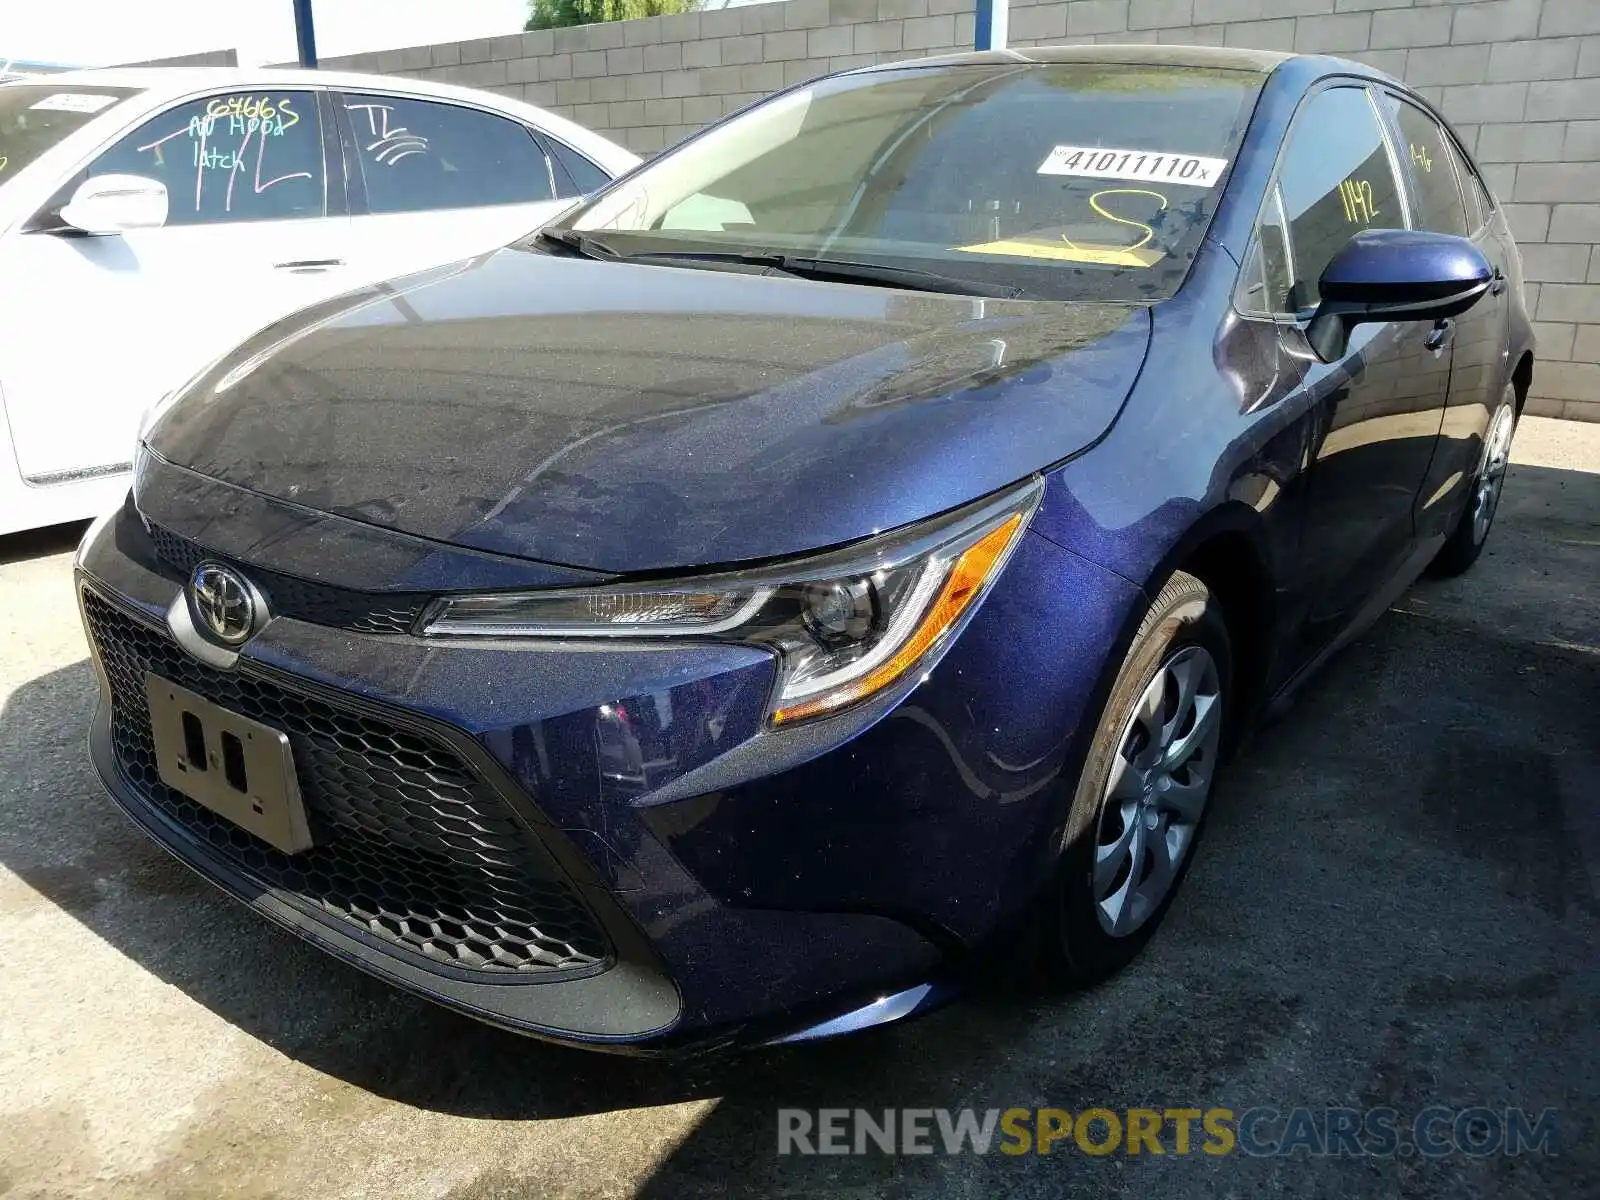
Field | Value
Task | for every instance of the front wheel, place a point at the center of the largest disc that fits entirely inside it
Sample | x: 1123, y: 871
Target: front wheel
x: 1141, y: 801
x: 1466, y: 541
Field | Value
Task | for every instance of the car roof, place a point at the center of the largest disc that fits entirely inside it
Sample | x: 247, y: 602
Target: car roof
x: 1263, y: 62
x: 185, y: 79
x: 159, y: 83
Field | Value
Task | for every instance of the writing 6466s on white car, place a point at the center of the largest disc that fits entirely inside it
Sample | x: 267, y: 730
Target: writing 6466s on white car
x: 152, y: 219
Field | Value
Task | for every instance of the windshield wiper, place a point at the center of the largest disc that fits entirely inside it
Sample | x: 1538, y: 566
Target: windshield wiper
x: 580, y: 243
x: 840, y: 269
x: 797, y: 265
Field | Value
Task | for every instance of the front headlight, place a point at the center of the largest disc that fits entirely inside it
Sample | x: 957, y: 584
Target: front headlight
x: 845, y: 625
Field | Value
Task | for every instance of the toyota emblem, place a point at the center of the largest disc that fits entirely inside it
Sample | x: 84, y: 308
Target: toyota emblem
x: 223, y: 602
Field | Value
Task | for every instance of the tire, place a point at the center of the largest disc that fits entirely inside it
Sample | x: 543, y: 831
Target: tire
x: 1466, y: 540
x: 1182, y: 638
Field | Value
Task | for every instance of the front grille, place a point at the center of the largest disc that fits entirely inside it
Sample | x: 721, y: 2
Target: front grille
x: 412, y: 845
x: 302, y: 599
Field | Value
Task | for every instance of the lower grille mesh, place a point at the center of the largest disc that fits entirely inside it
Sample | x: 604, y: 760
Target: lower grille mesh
x: 412, y: 845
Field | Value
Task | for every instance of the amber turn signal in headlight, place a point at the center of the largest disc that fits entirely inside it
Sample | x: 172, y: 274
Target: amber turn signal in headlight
x: 845, y: 625
x: 967, y: 578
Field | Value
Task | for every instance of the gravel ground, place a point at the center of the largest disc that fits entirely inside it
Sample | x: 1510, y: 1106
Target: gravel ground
x: 1395, y: 906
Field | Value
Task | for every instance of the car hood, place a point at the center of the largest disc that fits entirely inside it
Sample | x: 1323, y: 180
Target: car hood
x: 629, y: 418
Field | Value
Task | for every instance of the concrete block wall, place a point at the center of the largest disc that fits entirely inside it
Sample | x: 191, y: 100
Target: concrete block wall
x: 205, y: 58
x: 1520, y: 79
x: 651, y: 82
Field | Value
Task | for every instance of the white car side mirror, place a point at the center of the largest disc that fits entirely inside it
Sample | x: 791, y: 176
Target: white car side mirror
x: 107, y: 204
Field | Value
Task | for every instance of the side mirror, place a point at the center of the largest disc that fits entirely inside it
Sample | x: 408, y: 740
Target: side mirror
x: 1395, y: 275
x: 107, y: 204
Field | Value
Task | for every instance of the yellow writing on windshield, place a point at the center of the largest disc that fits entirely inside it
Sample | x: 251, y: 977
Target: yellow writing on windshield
x: 1064, y: 249
x: 1101, y: 256
x: 1149, y: 233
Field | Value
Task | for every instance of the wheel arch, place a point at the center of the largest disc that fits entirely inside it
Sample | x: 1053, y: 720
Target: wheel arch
x: 1522, y: 379
x: 1227, y: 551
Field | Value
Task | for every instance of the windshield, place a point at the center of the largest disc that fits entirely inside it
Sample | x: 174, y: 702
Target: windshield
x: 1067, y: 180
x: 35, y: 116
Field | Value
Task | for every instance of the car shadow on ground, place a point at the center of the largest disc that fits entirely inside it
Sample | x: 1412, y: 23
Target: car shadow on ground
x: 33, y: 543
x: 1395, y: 905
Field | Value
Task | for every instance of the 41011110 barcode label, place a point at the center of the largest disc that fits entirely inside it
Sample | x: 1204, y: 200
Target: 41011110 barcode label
x: 1101, y: 162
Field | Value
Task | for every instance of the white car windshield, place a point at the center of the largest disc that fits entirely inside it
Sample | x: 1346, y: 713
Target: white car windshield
x: 35, y: 116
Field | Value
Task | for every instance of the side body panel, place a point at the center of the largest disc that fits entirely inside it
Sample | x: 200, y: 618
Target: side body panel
x: 1479, y: 339
x: 106, y: 325
x: 1233, y: 428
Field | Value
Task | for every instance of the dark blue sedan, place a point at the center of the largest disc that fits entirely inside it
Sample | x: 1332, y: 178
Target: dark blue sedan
x: 832, y: 563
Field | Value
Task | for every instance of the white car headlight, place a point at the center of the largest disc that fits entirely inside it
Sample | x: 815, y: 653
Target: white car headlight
x: 845, y: 625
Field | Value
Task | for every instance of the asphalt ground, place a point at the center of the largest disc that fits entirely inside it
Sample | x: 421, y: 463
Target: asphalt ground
x: 1394, y: 908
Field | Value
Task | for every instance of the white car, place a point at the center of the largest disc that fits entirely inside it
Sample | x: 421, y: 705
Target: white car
x: 151, y: 219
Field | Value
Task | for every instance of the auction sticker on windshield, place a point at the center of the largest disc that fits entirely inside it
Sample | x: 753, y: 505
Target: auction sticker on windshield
x: 1100, y: 162
x: 78, y: 102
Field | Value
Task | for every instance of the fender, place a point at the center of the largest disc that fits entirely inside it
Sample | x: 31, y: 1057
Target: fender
x: 1228, y: 546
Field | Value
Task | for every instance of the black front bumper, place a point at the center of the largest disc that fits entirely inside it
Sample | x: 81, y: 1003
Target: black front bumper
x: 433, y: 872
x: 469, y: 841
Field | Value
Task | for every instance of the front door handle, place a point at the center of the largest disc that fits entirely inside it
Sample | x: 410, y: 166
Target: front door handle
x: 309, y: 264
x: 1439, y: 336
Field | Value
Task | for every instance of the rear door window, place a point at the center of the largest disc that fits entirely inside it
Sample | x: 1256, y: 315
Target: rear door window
x: 1479, y: 205
x: 1433, y: 169
x: 424, y: 156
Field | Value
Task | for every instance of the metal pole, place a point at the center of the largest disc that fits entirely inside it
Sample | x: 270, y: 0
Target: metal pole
x: 305, y: 36
x: 993, y: 19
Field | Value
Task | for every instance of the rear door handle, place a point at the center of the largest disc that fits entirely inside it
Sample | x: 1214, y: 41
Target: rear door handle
x: 309, y: 264
x: 1439, y: 336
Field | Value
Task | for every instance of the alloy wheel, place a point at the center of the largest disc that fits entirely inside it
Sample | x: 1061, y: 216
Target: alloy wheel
x: 1159, y: 783
x: 1492, y: 474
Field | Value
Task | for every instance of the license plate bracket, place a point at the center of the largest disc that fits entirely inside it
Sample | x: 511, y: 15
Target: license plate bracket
x: 240, y: 769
